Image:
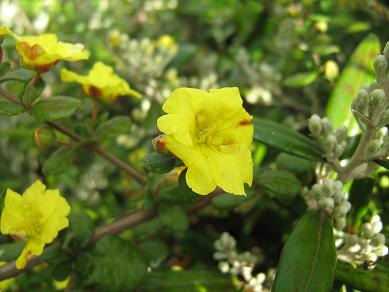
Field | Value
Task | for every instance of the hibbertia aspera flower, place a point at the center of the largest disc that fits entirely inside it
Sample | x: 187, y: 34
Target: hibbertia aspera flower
x: 42, y: 52
x: 211, y: 133
x: 36, y: 216
x: 101, y: 83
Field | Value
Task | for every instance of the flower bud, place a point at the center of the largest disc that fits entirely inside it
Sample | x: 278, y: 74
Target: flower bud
x: 366, y: 230
x: 377, y: 97
x: 44, y: 136
x: 328, y: 188
x: 339, y: 196
x: 374, y: 146
x: 327, y: 204
x: 326, y: 126
x: 159, y: 144
x: 314, y: 124
x: 361, y: 101
x: 330, y: 142
x: 384, y: 120
x: 381, y: 251
x: 380, y: 66
x: 331, y: 70
x: 224, y: 267
x: 340, y: 223
x: 378, y: 239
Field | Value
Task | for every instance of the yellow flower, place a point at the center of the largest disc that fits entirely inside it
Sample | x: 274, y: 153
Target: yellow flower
x: 168, y: 42
x: 101, y: 83
x: 36, y: 216
x: 211, y: 133
x: 42, y: 52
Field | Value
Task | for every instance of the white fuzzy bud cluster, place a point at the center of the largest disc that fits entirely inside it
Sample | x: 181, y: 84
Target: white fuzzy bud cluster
x: 365, y: 247
x: 378, y: 147
x: 142, y: 59
x: 328, y: 195
x: 370, y: 107
x: 240, y: 264
x: 332, y: 142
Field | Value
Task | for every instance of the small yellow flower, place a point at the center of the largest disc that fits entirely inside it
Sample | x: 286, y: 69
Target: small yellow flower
x: 166, y: 41
x: 101, y: 83
x: 36, y: 216
x: 211, y: 133
x: 42, y: 52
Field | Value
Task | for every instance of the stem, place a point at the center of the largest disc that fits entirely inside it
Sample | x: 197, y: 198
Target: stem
x: 96, y: 148
x: 95, y: 111
x: 123, y: 223
x: 131, y: 171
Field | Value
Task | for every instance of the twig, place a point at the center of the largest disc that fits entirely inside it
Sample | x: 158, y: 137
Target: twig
x: 118, y: 226
x: 95, y: 147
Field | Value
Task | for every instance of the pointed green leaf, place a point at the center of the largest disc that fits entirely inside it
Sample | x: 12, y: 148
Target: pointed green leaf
x: 4, y: 68
x: 10, y: 109
x: 54, y: 108
x: 285, y: 139
x: 308, y: 258
x: 113, y: 127
x: 59, y: 161
x: 358, y: 72
x: 158, y: 163
x: 300, y: 79
x: 174, y: 217
x: 281, y: 183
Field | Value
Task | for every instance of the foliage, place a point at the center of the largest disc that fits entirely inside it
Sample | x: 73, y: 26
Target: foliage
x: 314, y: 81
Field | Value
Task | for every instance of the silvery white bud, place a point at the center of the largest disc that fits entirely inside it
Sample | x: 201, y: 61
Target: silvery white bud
x: 376, y: 226
x: 326, y: 126
x: 352, y: 239
x: 339, y: 196
x: 314, y: 124
x: 380, y: 66
x: 374, y: 146
x: 361, y: 101
x: 327, y: 204
x: 381, y: 251
x: 376, y: 99
x: 378, y: 239
x: 371, y: 257
x: 330, y: 142
x: 338, y: 185
x: 328, y: 187
x: 224, y: 267
x: 366, y: 230
x: 341, y: 210
x: 340, y: 223
x: 341, y: 133
x: 317, y: 190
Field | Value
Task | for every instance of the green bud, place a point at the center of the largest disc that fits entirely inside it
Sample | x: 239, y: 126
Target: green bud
x: 384, y: 120
x: 341, y: 133
x: 317, y: 190
x: 367, y: 230
x: 44, y: 136
x: 376, y: 99
x: 378, y: 239
x: 374, y: 146
x: 328, y: 188
x: 327, y: 204
x: 380, y: 66
x: 339, y: 196
x: 361, y: 101
x: 340, y: 223
x: 326, y: 126
x: 330, y: 142
x: 314, y: 124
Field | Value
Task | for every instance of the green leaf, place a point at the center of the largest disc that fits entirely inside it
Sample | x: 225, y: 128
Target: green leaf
x: 308, y: 258
x: 4, y: 68
x: 116, y: 265
x: 174, y: 217
x: 382, y: 162
x: 21, y: 75
x: 279, y: 182
x: 158, y: 163
x: 358, y: 72
x: 300, y: 79
x: 293, y: 164
x: 361, y: 279
x: 156, y: 251
x: 80, y: 230
x: 10, y: 109
x: 10, y: 251
x: 187, y: 280
x: 62, y: 270
x: 33, y: 92
x: 228, y: 201
x: 54, y: 108
x: 59, y: 161
x: 285, y: 139
x: 113, y: 127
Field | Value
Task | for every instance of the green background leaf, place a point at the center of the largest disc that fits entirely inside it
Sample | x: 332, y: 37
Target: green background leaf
x: 55, y: 108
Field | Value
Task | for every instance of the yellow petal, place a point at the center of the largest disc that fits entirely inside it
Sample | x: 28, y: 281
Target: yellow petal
x: 199, y: 176
x: 36, y: 188
x: 33, y: 247
x: 13, y: 216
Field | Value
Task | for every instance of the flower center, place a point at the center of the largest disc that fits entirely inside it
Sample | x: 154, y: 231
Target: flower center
x: 204, y: 129
x: 34, y: 221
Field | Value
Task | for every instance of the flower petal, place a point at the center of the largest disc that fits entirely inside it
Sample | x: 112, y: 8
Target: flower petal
x: 33, y: 247
x: 13, y: 219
